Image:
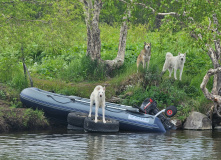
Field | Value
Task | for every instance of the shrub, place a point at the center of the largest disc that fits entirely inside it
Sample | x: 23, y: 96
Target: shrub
x: 83, y: 68
x: 19, y: 81
x: 8, y: 66
x: 34, y: 119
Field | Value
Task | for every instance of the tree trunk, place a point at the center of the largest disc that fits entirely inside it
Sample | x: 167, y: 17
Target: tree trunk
x: 215, y: 56
x: 211, y: 96
x: 92, y: 12
x: 119, y: 60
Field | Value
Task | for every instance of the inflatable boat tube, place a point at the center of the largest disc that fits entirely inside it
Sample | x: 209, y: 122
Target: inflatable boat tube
x: 59, y: 106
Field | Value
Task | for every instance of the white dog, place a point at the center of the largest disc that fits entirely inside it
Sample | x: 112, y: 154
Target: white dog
x: 98, y: 96
x: 174, y: 62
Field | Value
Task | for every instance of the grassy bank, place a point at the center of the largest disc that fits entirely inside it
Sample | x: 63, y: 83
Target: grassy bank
x: 57, y: 62
x: 13, y: 117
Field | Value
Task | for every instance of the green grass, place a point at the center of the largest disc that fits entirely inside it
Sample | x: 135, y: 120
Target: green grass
x: 56, y: 60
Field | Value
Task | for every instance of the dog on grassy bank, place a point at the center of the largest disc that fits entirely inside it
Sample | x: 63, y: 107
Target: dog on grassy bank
x: 144, y: 56
x: 98, y: 96
x: 174, y: 62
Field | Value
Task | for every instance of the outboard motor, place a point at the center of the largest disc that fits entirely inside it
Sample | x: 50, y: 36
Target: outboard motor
x: 149, y: 106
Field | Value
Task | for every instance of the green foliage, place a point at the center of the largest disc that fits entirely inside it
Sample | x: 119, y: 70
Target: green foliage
x: 19, y: 81
x: 166, y: 93
x: 20, y: 119
x: 53, y: 36
x: 152, y: 76
x: 93, y: 70
x: 2, y: 95
x: 34, y: 118
x: 15, y: 103
x: 81, y: 69
x: 8, y: 66
x: 12, y: 71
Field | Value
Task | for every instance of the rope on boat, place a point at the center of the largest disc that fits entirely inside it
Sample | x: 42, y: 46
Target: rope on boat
x: 107, y: 107
x: 71, y: 100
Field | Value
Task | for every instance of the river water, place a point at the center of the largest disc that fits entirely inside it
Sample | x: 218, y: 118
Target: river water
x: 73, y: 145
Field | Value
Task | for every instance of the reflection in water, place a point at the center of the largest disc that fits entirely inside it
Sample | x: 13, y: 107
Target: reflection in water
x: 120, y: 146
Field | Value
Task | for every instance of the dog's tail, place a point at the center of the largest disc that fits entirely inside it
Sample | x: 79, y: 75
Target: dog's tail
x: 169, y: 55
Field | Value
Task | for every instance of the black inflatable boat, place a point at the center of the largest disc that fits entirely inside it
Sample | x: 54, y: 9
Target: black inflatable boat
x: 129, y: 118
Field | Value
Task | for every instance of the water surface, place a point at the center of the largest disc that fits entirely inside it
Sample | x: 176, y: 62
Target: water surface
x: 74, y: 145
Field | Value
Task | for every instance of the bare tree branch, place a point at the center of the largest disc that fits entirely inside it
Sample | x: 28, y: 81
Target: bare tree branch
x: 218, y: 49
x: 148, y: 7
x: 153, y: 10
x: 210, y: 22
x: 123, y: 1
x: 169, y: 13
x: 214, y: 97
x: 119, y: 60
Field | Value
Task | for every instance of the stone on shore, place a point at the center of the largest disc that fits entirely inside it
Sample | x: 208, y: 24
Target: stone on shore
x: 197, y: 121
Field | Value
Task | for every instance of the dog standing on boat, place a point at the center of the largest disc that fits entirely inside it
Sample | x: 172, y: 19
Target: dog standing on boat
x: 144, y: 56
x: 174, y: 62
x: 98, y: 96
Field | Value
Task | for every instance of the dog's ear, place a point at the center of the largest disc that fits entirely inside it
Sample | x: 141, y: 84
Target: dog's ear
x: 185, y: 54
x: 104, y: 88
x: 98, y: 88
x: 179, y: 53
x: 145, y: 43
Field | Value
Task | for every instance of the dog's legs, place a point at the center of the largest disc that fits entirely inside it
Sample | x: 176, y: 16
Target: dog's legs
x: 163, y: 71
x: 91, y: 104
x: 175, y: 73
x: 162, y: 74
x: 170, y: 71
x: 144, y: 64
x: 164, y: 67
x: 103, y: 110
x: 96, y: 112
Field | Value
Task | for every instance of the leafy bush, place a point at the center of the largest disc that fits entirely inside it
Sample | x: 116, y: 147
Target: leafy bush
x: 8, y: 66
x: 19, y: 81
x: 57, y: 50
x: 166, y: 94
x: 83, y: 69
x: 50, y: 66
x: 12, y: 72
x: 92, y: 70
x: 152, y: 76
x: 34, y: 118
